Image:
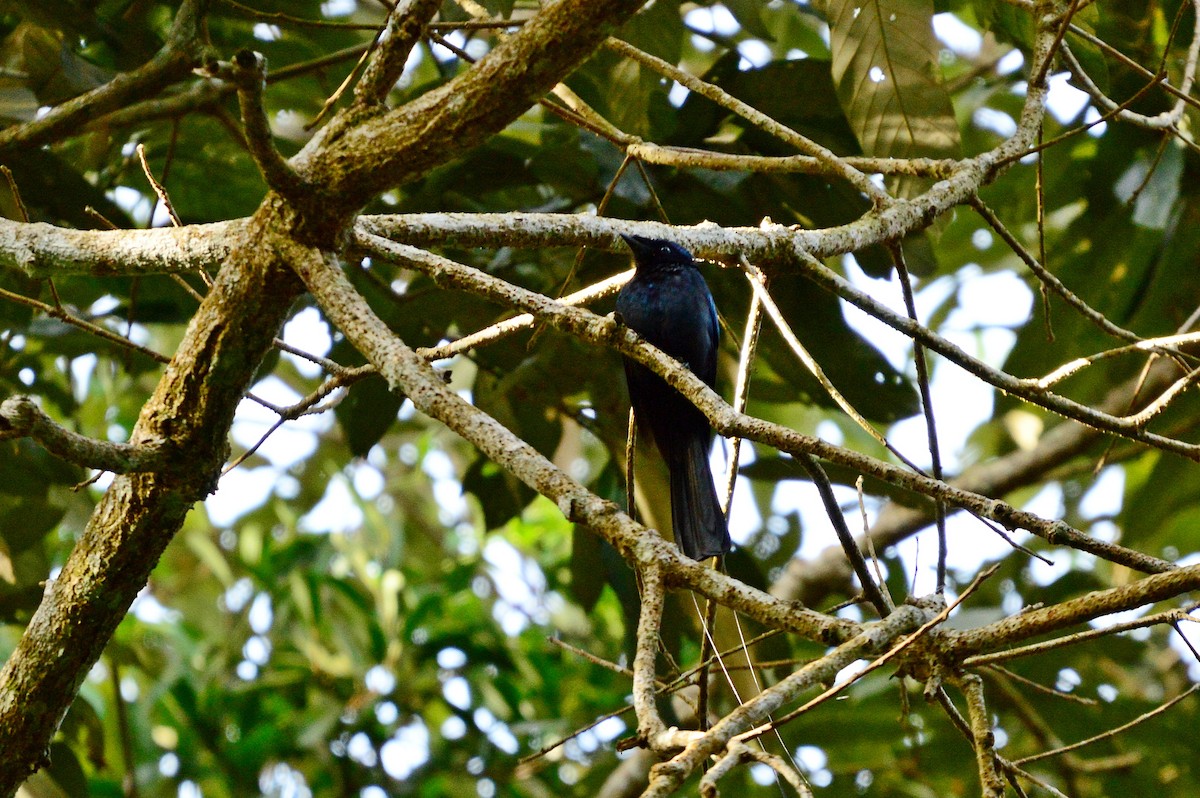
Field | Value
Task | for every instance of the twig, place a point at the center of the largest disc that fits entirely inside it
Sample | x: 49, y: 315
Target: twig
x: 159, y: 190
x: 738, y: 752
x: 280, y: 18
x: 67, y: 318
x: 1107, y: 116
x: 922, y: 366
x: 1111, y: 732
x: 22, y: 211
x: 1047, y: 278
x: 743, y: 723
x: 1125, y: 60
x: 758, y: 284
x: 1167, y: 120
x: 305, y: 407
x: 870, y: 541
x: 722, y: 98
x: 248, y: 71
x: 853, y: 554
x: 687, y: 157
x: 332, y: 100
x: 741, y: 391
x: 1005, y: 673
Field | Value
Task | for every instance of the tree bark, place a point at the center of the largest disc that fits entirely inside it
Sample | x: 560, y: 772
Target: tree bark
x: 356, y: 156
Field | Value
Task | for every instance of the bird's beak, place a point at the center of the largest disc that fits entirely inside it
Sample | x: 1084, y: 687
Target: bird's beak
x: 641, y: 246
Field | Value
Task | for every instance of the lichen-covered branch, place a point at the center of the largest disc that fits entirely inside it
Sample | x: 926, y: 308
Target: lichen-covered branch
x: 235, y: 326
x: 184, y: 50
x: 1082, y: 609
x: 726, y: 421
x: 20, y: 417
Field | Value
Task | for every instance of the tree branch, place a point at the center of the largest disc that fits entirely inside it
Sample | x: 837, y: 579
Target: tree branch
x: 193, y: 407
x: 21, y: 418
x: 183, y: 51
x: 405, y: 27
x: 450, y: 119
x: 725, y: 420
x: 1074, y: 611
x: 650, y: 723
x: 409, y: 374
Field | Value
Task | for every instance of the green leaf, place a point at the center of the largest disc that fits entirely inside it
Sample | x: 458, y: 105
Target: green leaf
x: 885, y: 67
x: 367, y: 413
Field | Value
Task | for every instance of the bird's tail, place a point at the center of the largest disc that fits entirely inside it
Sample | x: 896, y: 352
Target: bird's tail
x: 700, y: 529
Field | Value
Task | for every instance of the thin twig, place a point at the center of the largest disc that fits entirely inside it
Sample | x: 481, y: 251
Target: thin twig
x: 1111, y: 732
x: 722, y: 98
x: 853, y: 554
x: 922, y: 366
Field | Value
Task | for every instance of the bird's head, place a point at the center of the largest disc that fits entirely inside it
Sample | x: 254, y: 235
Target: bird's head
x: 656, y: 251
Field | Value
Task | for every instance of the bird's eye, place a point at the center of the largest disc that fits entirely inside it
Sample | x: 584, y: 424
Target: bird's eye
x: 665, y: 250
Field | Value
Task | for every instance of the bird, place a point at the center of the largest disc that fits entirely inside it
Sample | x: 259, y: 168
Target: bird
x: 668, y: 303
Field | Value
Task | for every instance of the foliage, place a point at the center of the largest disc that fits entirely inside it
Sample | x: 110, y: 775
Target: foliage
x: 369, y: 605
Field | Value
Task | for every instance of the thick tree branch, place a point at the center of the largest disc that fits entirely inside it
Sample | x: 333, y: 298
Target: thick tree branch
x: 193, y: 407
x: 455, y: 117
x: 225, y: 342
x: 42, y: 250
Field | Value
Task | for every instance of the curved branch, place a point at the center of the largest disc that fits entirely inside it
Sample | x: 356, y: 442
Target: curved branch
x: 21, y: 418
x: 183, y: 51
x: 726, y: 421
x: 408, y: 373
x: 459, y: 115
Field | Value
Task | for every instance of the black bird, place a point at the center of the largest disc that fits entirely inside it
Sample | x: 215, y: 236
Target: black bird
x: 668, y: 303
